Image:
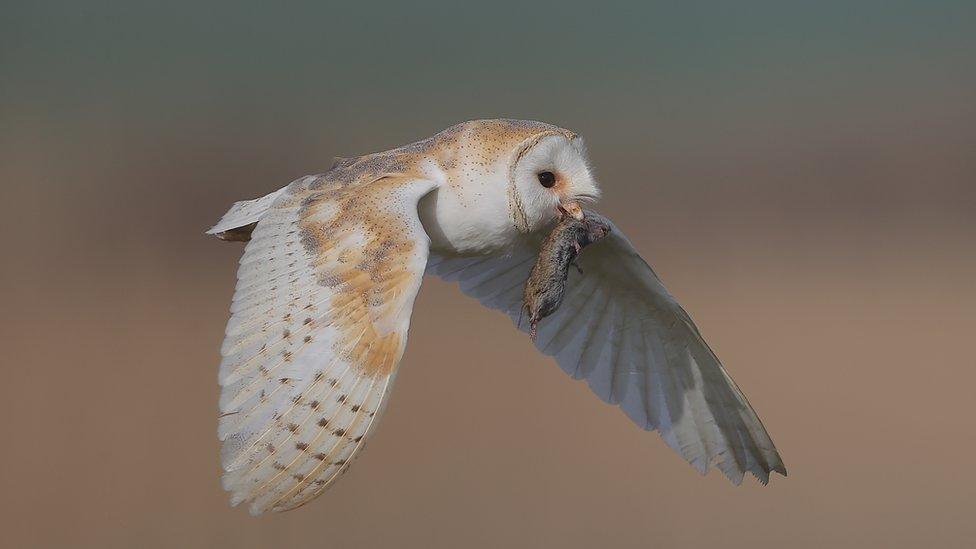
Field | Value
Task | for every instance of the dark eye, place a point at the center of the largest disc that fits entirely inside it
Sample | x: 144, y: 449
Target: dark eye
x: 547, y: 179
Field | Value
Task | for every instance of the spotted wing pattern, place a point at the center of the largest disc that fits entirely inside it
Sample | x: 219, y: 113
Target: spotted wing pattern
x: 318, y: 326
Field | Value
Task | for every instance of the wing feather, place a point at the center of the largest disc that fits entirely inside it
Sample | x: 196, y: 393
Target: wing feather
x: 621, y: 330
x: 318, y: 325
x: 241, y: 215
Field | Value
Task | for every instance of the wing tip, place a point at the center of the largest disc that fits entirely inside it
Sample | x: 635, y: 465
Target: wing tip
x: 729, y: 469
x: 764, y: 476
x: 232, y: 234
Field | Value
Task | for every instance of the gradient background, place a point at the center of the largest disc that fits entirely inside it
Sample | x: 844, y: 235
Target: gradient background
x: 801, y: 174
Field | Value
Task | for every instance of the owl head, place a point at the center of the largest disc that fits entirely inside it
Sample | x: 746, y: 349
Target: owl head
x: 549, y: 176
x: 505, y: 178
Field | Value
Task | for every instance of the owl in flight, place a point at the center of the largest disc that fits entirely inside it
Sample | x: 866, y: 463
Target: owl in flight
x: 333, y: 263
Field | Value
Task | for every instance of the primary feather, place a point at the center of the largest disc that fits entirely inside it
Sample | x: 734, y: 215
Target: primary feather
x: 620, y: 329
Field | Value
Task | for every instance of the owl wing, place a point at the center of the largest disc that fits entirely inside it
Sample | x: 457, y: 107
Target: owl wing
x: 318, y: 324
x: 620, y: 329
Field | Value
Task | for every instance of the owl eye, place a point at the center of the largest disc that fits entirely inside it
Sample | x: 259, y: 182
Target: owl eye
x: 547, y: 179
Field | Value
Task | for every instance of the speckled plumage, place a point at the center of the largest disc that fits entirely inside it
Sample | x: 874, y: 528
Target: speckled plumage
x: 332, y: 266
x: 318, y: 325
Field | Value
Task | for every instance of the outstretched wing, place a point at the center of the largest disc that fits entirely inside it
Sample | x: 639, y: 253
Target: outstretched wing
x: 318, y: 325
x: 622, y: 331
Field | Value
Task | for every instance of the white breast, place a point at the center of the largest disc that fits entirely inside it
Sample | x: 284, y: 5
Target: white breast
x: 469, y: 216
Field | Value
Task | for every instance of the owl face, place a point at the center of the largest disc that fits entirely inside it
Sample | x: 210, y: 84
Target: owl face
x: 550, y: 176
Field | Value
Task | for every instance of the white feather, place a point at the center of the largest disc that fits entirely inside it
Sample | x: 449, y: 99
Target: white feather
x: 296, y: 404
x: 621, y: 330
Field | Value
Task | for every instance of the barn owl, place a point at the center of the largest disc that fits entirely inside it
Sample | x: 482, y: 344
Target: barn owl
x: 333, y: 263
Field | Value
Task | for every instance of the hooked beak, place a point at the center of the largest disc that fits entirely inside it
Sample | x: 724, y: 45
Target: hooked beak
x: 572, y: 209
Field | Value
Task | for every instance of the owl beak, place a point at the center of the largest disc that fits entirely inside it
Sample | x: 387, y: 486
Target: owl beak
x: 572, y: 209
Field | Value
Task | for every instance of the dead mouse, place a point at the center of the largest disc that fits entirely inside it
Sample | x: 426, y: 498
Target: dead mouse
x: 546, y: 286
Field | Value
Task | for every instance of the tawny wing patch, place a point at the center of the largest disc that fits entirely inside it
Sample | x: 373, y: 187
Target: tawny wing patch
x: 318, y: 325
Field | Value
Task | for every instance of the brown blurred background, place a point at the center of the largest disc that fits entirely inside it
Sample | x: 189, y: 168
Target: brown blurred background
x: 802, y: 175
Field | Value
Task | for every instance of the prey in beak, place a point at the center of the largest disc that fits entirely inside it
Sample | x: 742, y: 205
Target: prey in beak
x: 547, y: 282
